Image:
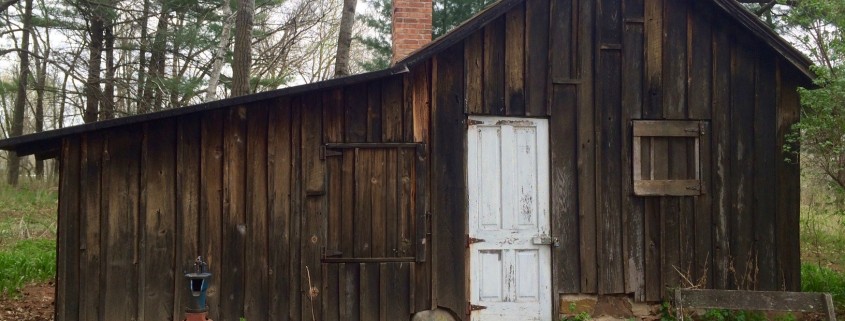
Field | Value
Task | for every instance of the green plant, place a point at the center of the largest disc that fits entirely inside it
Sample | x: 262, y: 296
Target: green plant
x: 572, y: 316
x: 815, y: 278
x: 27, y: 261
x: 733, y: 315
x: 666, y: 313
x: 786, y: 317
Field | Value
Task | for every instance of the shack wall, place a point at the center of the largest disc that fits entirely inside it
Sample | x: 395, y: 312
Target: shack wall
x: 249, y: 189
x: 591, y: 67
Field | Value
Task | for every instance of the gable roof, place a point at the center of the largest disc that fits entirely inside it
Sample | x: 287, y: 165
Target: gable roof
x: 47, y: 143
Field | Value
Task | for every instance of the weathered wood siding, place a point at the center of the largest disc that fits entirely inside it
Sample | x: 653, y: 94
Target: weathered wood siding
x: 602, y: 64
x: 251, y: 189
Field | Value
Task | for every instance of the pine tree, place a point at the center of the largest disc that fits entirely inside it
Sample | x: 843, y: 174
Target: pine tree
x: 447, y: 15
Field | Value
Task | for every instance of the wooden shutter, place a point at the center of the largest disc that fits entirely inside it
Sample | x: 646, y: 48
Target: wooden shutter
x: 381, y: 198
x: 667, y: 158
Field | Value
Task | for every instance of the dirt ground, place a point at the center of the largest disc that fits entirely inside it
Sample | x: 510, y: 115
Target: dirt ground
x: 35, y: 304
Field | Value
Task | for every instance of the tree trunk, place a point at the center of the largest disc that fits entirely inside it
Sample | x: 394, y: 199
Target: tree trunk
x: 225, y: 36
x: 20, y: 101
x: 92, y: 84
x: 143, y: 104
x: 108, y: 91
x: 242, y: 59
x: 344, y: 38
x: 152, y: 92
x: 41, y: 82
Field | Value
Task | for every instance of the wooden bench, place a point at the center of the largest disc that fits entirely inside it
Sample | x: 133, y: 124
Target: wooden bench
x: 754, y: 301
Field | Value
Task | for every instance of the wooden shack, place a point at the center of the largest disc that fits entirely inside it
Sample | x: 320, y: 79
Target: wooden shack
x: 542, y: 148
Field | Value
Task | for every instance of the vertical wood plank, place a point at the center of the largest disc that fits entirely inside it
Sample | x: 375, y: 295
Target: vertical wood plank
x: 67, y: 271
x: 234, y: 208
x: 188, y: 246
x: 447, y: 163
x: 211, y: 204
x: 474, y: 55
x: 422, y: 101
x: 788, y: 182
x: 355, y: 106
x: 564, y: 176
x: 333, y: 133
x: 587, y: 151
x: 313, y: 218
x: 374, y: 112
x: 279, y: 169
x: 608, y: 119
x: 675, y: 60
x: 348, y: 246
x: 701, y: 79
x: 515, y: 61
x: 331, y: 296
x: 89, y: 196
x: 350, y: 297
x: 159, y: 192
x: 391, y: 102
x: 378, y: 196
x: 422, y: 89
x: 369, y: 291
x: 633, y: 74
x: 123, y: 155
x: 298, y: 289
x: 392, y: 212
x: 765, y: 154
x: 494, y: 67
x: 742, y: 160
x: 407, y: 107
x: 653, y: 108
x: 363, y: 203
x: 257, y: 244
x: 562, y: 34
x: 396, y: 279
x: 720, y: 146
x: 537, y: 56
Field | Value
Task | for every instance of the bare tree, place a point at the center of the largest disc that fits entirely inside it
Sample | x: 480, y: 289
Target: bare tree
x: 217, y: 67
x: 344, y: 38
x: 20, y: 100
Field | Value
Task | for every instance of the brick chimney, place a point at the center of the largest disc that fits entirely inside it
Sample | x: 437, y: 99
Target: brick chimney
x: 411, y: 26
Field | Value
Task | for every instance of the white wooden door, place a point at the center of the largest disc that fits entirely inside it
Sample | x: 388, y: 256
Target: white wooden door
x: 508, y: 181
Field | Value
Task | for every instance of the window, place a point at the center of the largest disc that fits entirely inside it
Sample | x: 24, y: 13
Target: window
x: 667, y: 158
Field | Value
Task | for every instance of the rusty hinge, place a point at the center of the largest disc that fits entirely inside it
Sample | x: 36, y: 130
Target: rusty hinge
x: 472, y: 122
x: 472, y: 307
x: 326, y: 152
x: 472, y: 240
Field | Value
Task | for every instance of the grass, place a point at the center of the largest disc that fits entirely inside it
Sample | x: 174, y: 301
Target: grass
x: 27, y: 212
x: 25, y: 262
x: 816, y: 278
x: 27, y: 234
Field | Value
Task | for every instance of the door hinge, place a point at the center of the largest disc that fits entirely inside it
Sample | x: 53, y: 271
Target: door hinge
x: 472, y: 307
x: 326, y: 152
x: 472, y: 122
x: 472, y: 240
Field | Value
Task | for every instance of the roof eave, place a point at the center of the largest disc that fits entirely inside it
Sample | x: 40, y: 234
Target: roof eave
x: 46, y: 143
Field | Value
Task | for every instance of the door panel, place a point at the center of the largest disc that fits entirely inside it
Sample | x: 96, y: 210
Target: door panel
x: 507, y: 174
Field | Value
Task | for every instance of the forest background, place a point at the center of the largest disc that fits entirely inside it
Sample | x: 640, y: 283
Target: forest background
x: 67, y: 62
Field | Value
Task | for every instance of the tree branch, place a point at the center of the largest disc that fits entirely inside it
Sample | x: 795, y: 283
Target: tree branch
x: 6, y: 4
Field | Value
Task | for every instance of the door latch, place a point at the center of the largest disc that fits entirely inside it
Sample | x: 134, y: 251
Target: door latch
x: 546, y: 240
